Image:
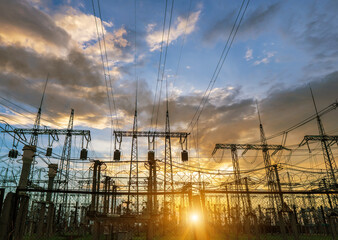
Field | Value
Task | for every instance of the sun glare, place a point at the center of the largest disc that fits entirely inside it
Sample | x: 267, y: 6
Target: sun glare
x: 194, y: 217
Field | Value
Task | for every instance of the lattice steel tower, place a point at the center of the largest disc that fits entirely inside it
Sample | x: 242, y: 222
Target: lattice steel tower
x: 133, y: 171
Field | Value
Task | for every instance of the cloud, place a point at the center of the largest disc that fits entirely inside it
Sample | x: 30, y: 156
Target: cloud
x: 23, y: 24
x: 181, y: 26
x: 76, y: 81
x: 266, y: 59
x: 117, y: 47
x: 230, y: 118
x: 75, y: 69
x: 87, y: 102
x: 253, y: 23
x: 64, y: 45
x: 316, y: 33
x: 248, y: 54
x: 36, y: 46
x: 80, y: 26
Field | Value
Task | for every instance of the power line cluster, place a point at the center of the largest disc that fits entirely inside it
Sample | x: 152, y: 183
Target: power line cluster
x: 219, y: 65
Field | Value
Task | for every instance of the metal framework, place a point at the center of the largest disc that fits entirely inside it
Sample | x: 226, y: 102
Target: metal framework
x: 66, y: 151
x: 168, y: 167
x: 247, y: 147
x: 264, y: 147
x: 326, y: 143
x: 151, y: 134
x: 133, y: 171
x: 54, y: 133
x: 235, y: 166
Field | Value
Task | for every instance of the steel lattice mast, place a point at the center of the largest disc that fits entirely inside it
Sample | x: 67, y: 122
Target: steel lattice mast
x: 168, y: 168
x: 270, y: 171
x: 326, y: 142
x: 330, y: 163
x: 260, y: 147
x: 64, y: 171
x: 133, y: 171
x: 238, y: 184
x: 34, y: 137
x: 66, y: 154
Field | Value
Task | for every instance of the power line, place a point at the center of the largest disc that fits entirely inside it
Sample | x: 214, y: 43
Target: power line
x: 165, y: 61
x: 183, y: 42
x: 16, y: 105
x: 219, y: 66
x: 107, y: 64
x: 159, y: 64
x: 102, y: 60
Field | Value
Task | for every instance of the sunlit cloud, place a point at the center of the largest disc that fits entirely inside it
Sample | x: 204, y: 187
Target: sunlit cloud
x: 181, y: 26
x: 80, y: 26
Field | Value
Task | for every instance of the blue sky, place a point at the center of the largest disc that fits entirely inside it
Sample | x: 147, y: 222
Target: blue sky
x: 280, y: 47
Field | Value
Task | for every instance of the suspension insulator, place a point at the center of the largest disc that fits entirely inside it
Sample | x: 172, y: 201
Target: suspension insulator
x: 83, y: 154
x: 49, y: 152
x: 117, y: 155
x: 151, y: 156
x: 184, y: 155
x: 13, y: 153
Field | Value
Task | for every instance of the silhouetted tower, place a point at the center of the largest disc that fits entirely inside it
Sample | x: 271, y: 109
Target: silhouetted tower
x: 65, y: 157
x: 329, y: 160
x: 133, y: 171
x: 168, y: 167
x: 236, y: 169
x: 34, y: 137
x: 63, y: 174
x: 270, y: 173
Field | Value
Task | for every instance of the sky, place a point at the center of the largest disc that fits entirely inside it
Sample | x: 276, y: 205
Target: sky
x: 280, y: 48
